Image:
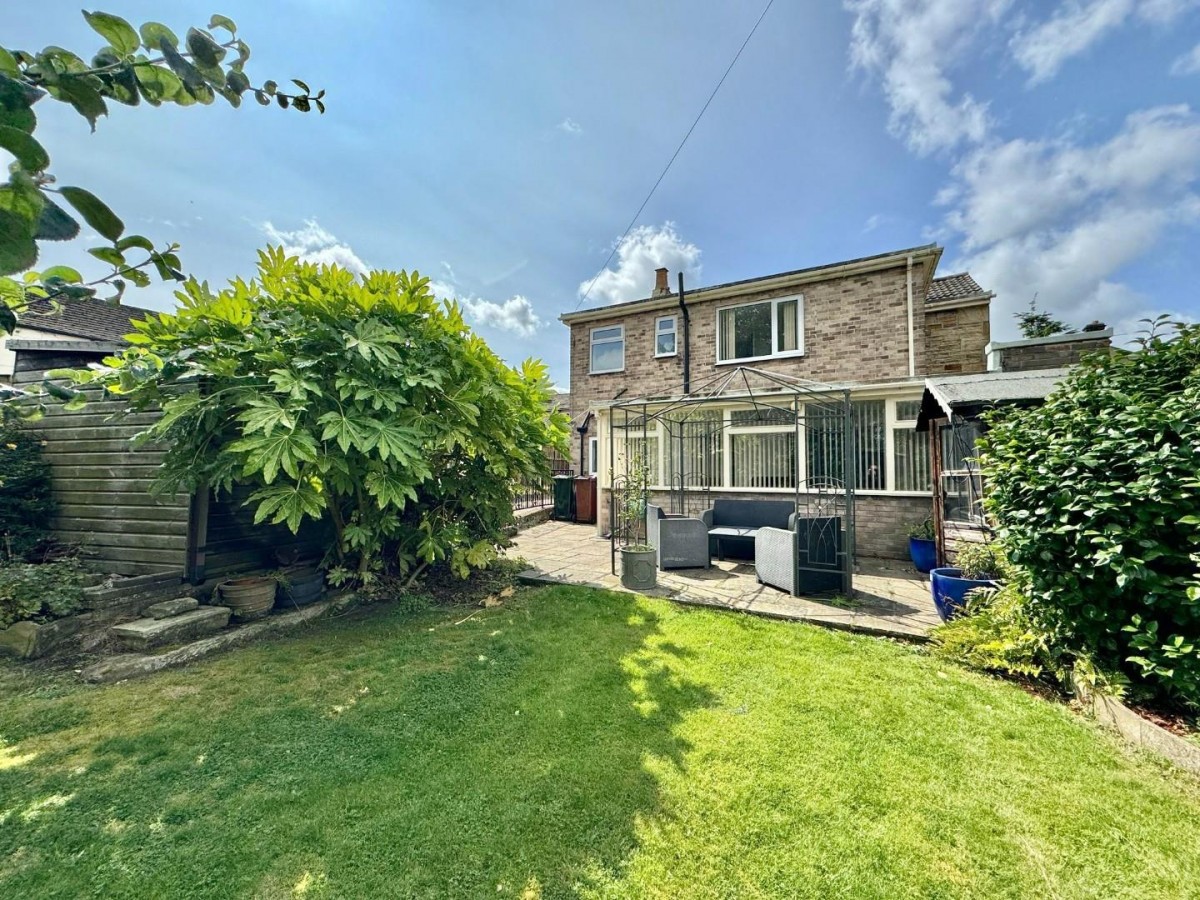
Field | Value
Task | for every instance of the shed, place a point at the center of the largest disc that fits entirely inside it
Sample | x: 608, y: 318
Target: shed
x: 102, y: 485
x: 950, y: 412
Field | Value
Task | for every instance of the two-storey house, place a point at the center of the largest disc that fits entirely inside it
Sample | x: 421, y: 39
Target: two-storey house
x: 876, y: 326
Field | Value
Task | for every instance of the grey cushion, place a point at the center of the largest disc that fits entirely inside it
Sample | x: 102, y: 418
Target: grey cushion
x: 753, y: 513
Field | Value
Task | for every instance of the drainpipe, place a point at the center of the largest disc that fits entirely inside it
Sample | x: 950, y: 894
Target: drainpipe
x: 687, y: 341
x: 912, y: 352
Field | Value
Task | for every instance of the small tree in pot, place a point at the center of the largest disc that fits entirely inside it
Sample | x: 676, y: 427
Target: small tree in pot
x: 639, y: 571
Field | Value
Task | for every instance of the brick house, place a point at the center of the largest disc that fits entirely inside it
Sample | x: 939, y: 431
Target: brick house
x: 876, y: 326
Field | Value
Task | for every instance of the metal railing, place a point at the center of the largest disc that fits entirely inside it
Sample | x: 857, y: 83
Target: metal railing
x: 535, y: 494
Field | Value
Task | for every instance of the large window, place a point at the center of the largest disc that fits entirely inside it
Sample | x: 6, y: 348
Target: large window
x: 608, y: 349
x: 665, y: 336
x: 762, y: 448
x: 761, y: 330
x: 910, y: 449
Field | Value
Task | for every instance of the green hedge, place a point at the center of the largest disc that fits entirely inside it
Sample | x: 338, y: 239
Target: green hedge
x: 1096, y: 496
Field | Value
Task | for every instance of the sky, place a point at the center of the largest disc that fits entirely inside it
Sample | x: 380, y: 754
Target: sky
x: 1053, y: 149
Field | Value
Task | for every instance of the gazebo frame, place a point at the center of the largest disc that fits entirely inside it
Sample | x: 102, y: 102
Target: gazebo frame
x: 820, y: 415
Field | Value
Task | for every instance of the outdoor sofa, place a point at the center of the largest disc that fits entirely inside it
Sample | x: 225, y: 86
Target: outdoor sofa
x: 732, y: 524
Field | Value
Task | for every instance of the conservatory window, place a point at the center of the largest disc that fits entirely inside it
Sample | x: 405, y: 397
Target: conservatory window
x: 910, y: 449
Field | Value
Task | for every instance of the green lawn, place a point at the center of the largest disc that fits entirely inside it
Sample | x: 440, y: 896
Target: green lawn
x: 576, y: 742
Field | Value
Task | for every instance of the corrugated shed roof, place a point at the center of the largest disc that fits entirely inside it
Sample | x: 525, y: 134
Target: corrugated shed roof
x: 93, y: 319
x: 967, y: 395
x: 953, y: 287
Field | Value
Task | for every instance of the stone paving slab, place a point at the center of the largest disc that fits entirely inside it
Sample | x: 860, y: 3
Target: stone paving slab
x: 890, y: 597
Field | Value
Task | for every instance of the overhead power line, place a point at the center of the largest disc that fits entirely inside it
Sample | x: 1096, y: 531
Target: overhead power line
x: 671, y: 161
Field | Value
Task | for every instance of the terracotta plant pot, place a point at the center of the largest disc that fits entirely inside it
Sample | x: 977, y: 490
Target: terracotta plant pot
x: 249, y: 598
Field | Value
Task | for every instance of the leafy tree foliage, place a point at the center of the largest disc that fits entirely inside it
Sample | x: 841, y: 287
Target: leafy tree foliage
x: 1097, y: 500
x: 1034, y: 323
x: 25, y: 502
x: 366, y: 402
x: 150, y: 65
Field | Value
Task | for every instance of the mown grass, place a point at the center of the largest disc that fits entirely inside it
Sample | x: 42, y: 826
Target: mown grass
x: 575, y: 742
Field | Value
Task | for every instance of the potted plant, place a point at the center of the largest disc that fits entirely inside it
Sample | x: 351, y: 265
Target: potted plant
x: 250, y: 597
x: 639, y: 566
x: 979, y: 566
x: 922, y: 548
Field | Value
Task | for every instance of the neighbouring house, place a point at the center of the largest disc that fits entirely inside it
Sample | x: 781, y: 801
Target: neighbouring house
x: 1021, y: 373
x: 79, y: 321
x: 876, y: 327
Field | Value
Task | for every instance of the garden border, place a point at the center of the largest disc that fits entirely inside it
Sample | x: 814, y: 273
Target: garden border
x: 1136, y: 730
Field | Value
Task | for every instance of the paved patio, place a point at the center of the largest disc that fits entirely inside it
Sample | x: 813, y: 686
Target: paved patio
x: 890, y: 597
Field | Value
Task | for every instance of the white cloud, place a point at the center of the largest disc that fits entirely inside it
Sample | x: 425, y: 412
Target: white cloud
x: 1188, y: 63
x: 909, y: 44
x: 643, y: 250
x: 515, y: 314
x: 1060, y: 220
x: 1076, y: 26
x: 314, y: 244
x: 570, y: 126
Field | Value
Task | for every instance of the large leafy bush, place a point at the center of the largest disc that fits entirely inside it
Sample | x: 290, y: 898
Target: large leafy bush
x: 46, y: 590
x: 366, y: 402
x: 25, y: 502
x: 1096, y: 496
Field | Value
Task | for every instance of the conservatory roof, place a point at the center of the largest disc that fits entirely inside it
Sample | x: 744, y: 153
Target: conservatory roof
x: 969, y: 395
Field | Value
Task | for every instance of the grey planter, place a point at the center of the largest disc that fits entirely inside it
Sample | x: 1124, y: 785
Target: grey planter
x: 638, y: 569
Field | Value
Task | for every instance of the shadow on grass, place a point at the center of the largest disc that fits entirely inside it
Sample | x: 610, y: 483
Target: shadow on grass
x: 381, y: 756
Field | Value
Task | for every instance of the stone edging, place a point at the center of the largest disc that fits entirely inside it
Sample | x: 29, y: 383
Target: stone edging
x: 1136, y: 730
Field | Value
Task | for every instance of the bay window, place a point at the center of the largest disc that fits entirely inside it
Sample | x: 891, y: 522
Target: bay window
x: 761, y: 330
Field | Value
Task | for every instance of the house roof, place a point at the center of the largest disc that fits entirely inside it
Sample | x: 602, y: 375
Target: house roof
x: 960, y: 286
x: 764, y: 282
x: 968, y: 395
x: 91, y: 319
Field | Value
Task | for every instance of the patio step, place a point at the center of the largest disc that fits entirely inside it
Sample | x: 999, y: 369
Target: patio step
x: 142, y: 634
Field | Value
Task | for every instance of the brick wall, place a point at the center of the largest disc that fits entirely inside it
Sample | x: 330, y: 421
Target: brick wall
x: 855, y: 329
x: 955, y: 338
x: 1048, y: 356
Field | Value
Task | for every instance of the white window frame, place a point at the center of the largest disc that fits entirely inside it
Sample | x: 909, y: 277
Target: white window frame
x: 592, y: 349
x: 674, y: 332
x: 774, y: 301
x: 593, y: 461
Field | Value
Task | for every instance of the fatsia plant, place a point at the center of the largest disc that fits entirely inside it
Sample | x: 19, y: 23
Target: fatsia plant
x: 363, y: 401
x: 150, y: 65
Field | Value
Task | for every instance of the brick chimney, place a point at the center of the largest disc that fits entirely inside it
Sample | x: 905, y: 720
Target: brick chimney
x: 661, y: 288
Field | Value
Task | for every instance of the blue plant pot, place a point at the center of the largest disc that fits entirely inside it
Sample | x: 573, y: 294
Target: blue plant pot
x: 950, y: 590
x: 923, y: 552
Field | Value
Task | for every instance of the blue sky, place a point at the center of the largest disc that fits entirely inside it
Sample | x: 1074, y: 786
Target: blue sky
x: 502, y: 148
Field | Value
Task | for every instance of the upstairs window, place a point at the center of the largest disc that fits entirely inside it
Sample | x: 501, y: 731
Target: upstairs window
x: 608, y: 349
x: 665, y: 336
x: 761, y: 330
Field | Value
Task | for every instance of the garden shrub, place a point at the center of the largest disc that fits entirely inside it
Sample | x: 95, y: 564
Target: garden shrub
x: 1096, y: 497
x: 997, y: 633
x: 25, y: 502
x: 48, y: 590
x: 365, y: 402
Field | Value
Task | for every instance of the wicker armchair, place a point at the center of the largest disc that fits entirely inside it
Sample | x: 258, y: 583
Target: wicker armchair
x: 682, y: 543
x: 806, y: 559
